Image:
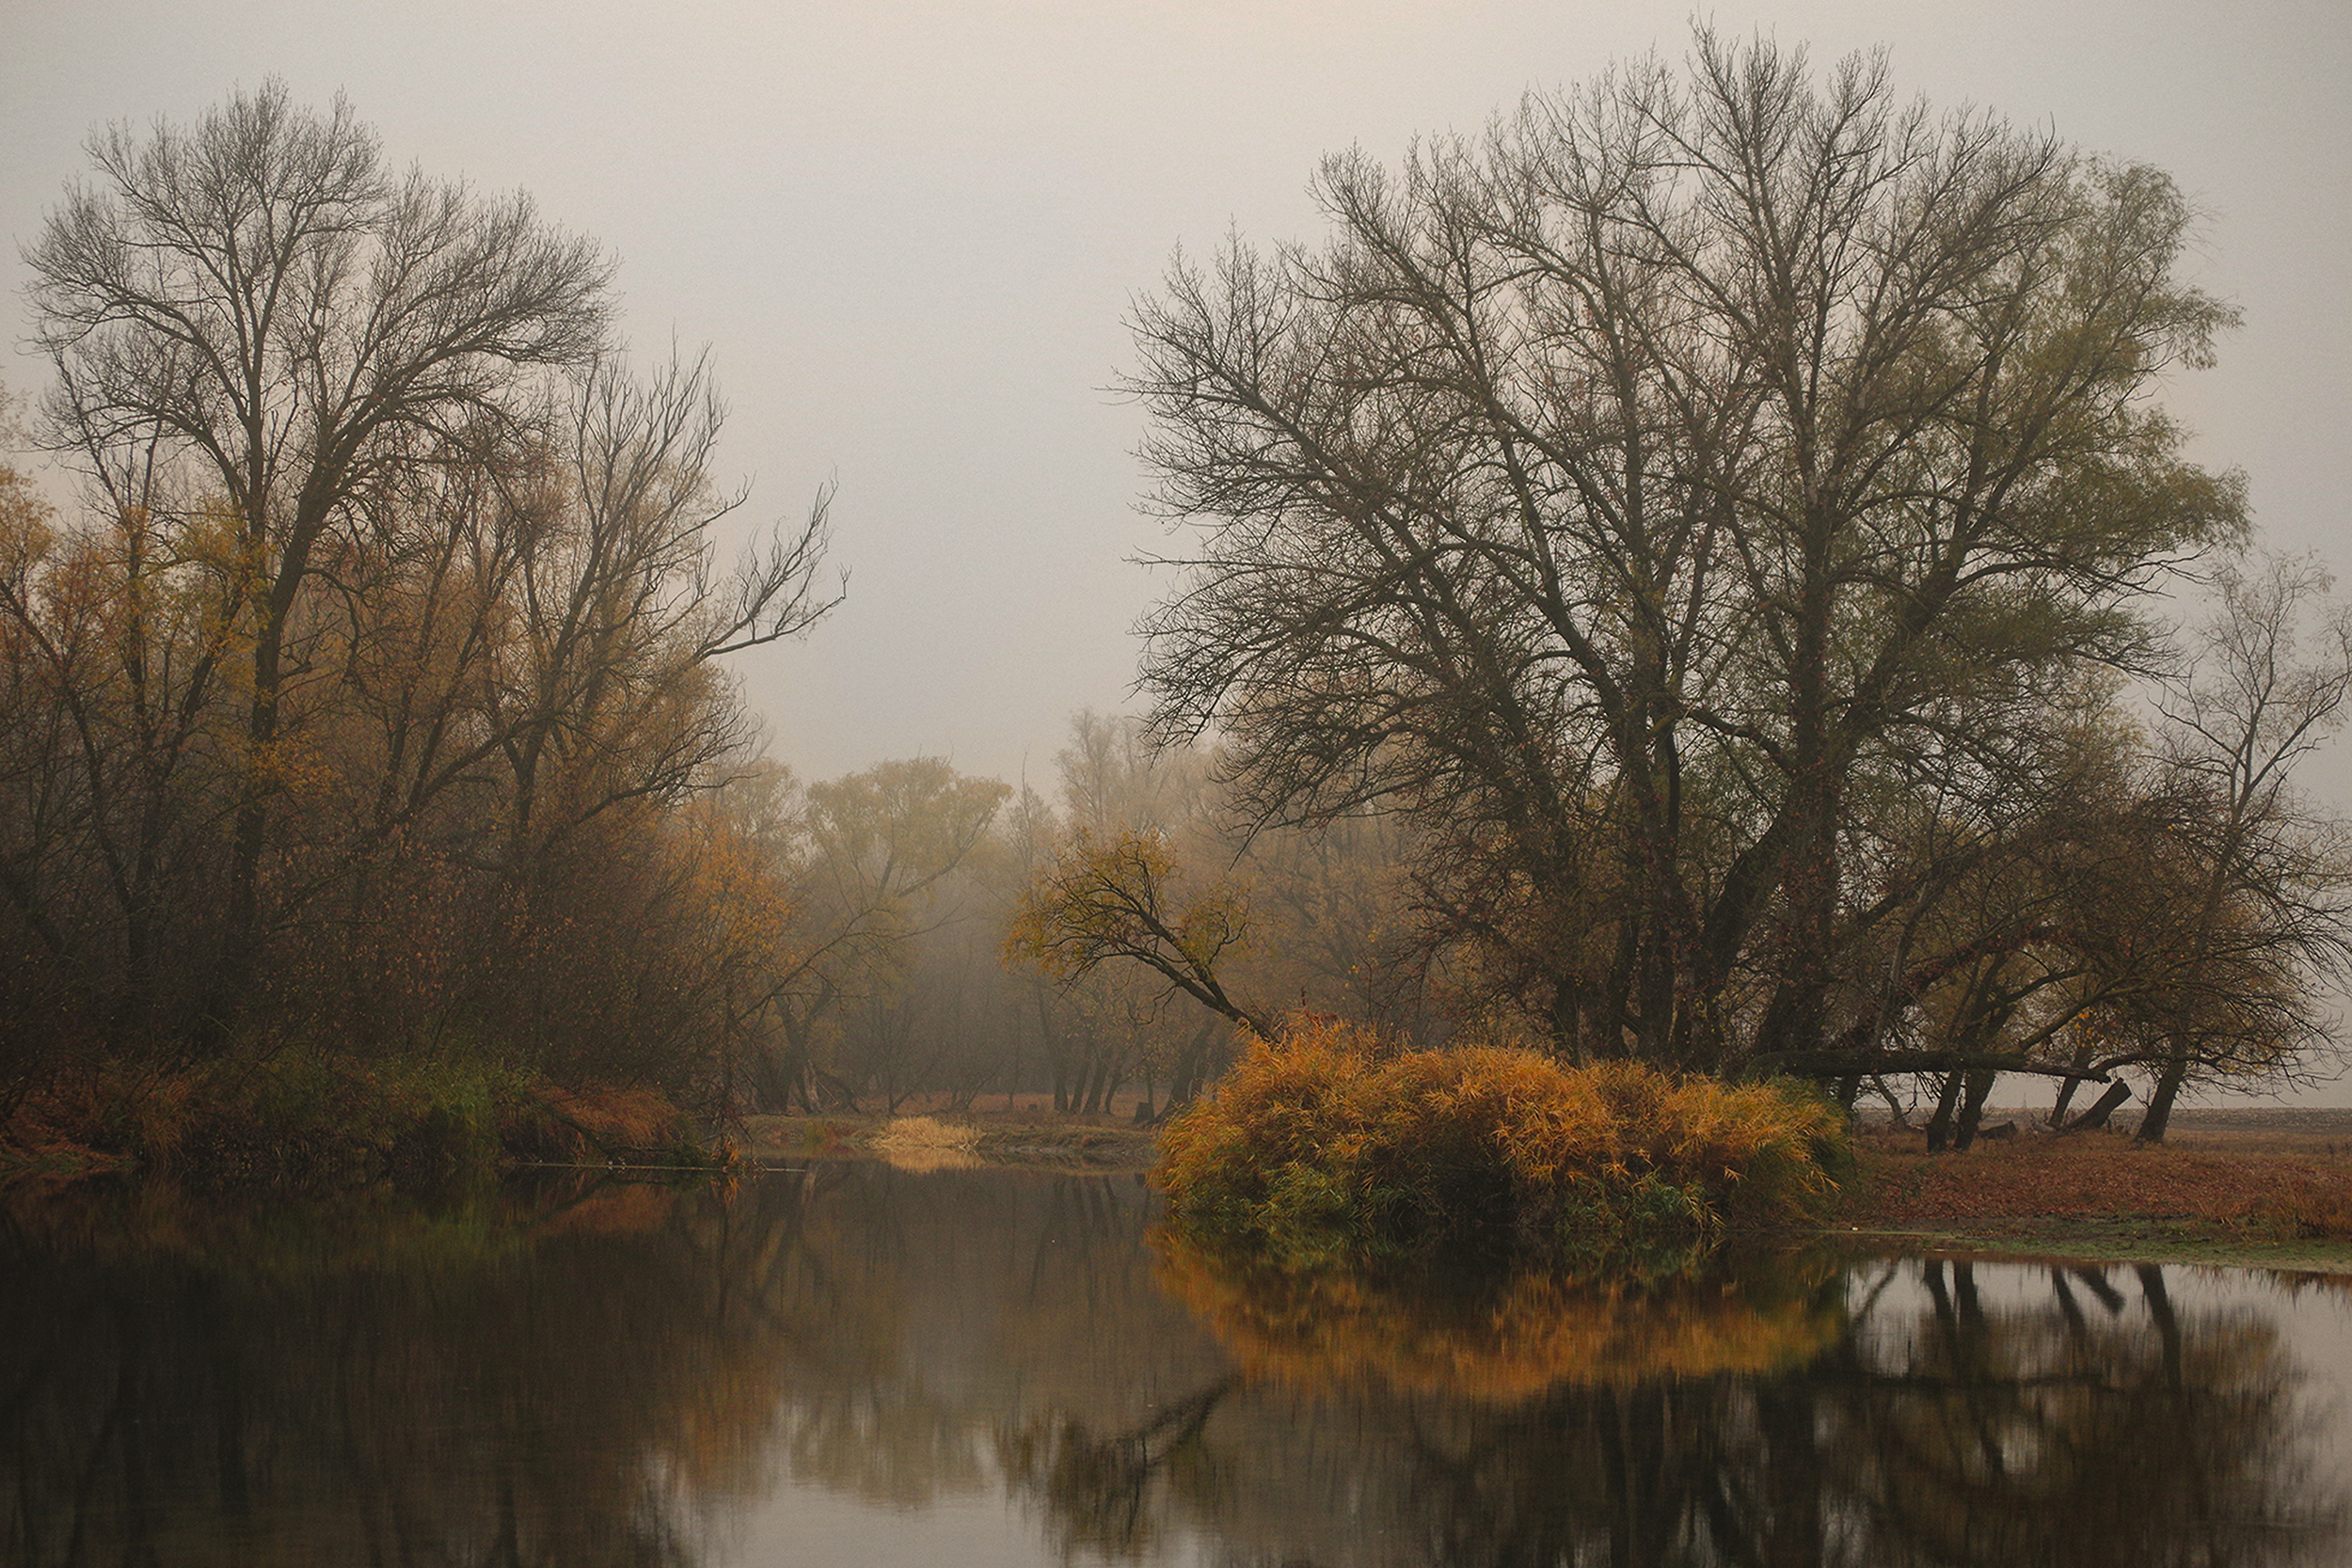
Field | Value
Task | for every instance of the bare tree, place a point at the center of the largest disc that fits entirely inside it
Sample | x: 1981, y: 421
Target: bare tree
x: 620, y: 616
x: 1641, y: 494
x: 2256, y: 919
x: 260, y: 301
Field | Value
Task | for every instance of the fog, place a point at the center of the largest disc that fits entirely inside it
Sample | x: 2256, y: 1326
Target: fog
x: 909, y: 232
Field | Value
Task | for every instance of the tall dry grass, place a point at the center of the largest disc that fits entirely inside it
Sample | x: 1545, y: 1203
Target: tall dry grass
x: 1326, y: 1146
x: 921, y: 1144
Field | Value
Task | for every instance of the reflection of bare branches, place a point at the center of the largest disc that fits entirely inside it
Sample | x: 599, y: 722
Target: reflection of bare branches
x: 1948, y: 1426
x: 2048, y: 1434
x: 252, y: 1395
x: 1095, y: 1488
x: 883, y: 1441
x: 463, y: 1396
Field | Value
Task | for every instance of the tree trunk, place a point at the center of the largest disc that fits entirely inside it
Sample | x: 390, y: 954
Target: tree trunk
x: 2159, y: 1117
x: 2065, y: 1097
x: 2097, y: 1115
x: 1947, y: 1106
x: 1188, y: 1064
x: 1972, y: 1109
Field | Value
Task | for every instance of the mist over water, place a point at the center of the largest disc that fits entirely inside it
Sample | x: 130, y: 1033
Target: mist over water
x: 850, y: 1363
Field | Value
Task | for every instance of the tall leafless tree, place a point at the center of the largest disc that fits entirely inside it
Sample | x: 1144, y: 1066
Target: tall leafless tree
x: 260, y: 300
x: 1635, y: 493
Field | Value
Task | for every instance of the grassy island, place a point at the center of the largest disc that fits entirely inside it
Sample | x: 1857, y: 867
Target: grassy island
x: 1329, y: 1146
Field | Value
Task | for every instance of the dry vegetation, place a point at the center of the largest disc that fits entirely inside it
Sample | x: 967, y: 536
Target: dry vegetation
x: 2246, y: 1178
x: 921, y: 1144
x: 1023, y: 1130
x: 1328, y: 1145
x: 310, y: 1119
x: 2262, y: 1183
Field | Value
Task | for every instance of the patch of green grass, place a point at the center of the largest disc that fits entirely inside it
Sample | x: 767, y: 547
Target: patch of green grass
x: 2123, y: 1240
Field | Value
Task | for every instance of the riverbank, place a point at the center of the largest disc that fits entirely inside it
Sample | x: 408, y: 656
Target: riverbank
x: 307, y: 1121
x: 1027, y: 1134
x: 2262, y: 1187
x: 2259, y: 1188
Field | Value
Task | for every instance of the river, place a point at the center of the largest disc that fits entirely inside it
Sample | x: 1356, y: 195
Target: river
x: 851, y: 1364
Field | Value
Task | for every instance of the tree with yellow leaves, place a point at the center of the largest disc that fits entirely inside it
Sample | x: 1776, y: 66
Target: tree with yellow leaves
x: 1113, y: 897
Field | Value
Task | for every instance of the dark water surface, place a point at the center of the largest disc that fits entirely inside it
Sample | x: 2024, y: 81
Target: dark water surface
x: 856, y: 1364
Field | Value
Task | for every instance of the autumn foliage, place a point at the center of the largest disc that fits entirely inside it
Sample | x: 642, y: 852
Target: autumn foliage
x: 1531, y: 1330
x: 367, y: 710
x: 1322, y: 1146
x: 314, y: 1118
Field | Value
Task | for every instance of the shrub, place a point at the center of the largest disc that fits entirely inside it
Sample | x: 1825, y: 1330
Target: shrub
x: 1326, y: 1145
x: 312, y: 1118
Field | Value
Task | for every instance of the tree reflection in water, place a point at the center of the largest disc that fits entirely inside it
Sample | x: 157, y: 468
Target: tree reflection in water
x: 2096, y: 1421
x: 365, y: 1383
x: 634, y: 1377
x: 1711, y: 1421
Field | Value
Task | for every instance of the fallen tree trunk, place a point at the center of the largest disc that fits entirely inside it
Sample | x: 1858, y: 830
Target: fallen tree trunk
x: 1828, y: 1064
x: 2097, y: 1115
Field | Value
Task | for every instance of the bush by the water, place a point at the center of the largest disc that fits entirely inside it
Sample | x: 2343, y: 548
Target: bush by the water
x: 309, y: 1117
x: 1323, y: 1146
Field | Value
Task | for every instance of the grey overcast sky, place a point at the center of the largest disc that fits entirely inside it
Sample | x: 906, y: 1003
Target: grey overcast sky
x: 909, y: 229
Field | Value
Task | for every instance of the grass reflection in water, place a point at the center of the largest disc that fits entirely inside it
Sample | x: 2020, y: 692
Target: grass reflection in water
x: 1504, y: 1335
x: 630, y: 1377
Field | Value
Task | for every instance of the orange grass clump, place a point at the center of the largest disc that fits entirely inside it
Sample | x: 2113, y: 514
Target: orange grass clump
x: 596, y: 1118
x: 921, y: 1144
x: 1324, y: 1146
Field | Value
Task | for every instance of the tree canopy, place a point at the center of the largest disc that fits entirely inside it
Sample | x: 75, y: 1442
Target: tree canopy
x: 1678, y: 500
x: 370, y: 689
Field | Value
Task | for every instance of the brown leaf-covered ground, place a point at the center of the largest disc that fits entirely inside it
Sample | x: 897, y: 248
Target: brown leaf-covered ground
x: 2262, y: 1183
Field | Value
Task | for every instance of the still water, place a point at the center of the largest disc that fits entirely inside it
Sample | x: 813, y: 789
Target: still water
x: 852, y: 1365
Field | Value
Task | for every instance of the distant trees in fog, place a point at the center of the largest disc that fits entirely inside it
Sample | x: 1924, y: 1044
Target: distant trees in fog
x: 923, y: 965
x: 370, y: 694
x: 1663, y: 580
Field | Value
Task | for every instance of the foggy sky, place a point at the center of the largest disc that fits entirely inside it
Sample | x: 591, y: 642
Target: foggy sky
x: 909, y: 230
